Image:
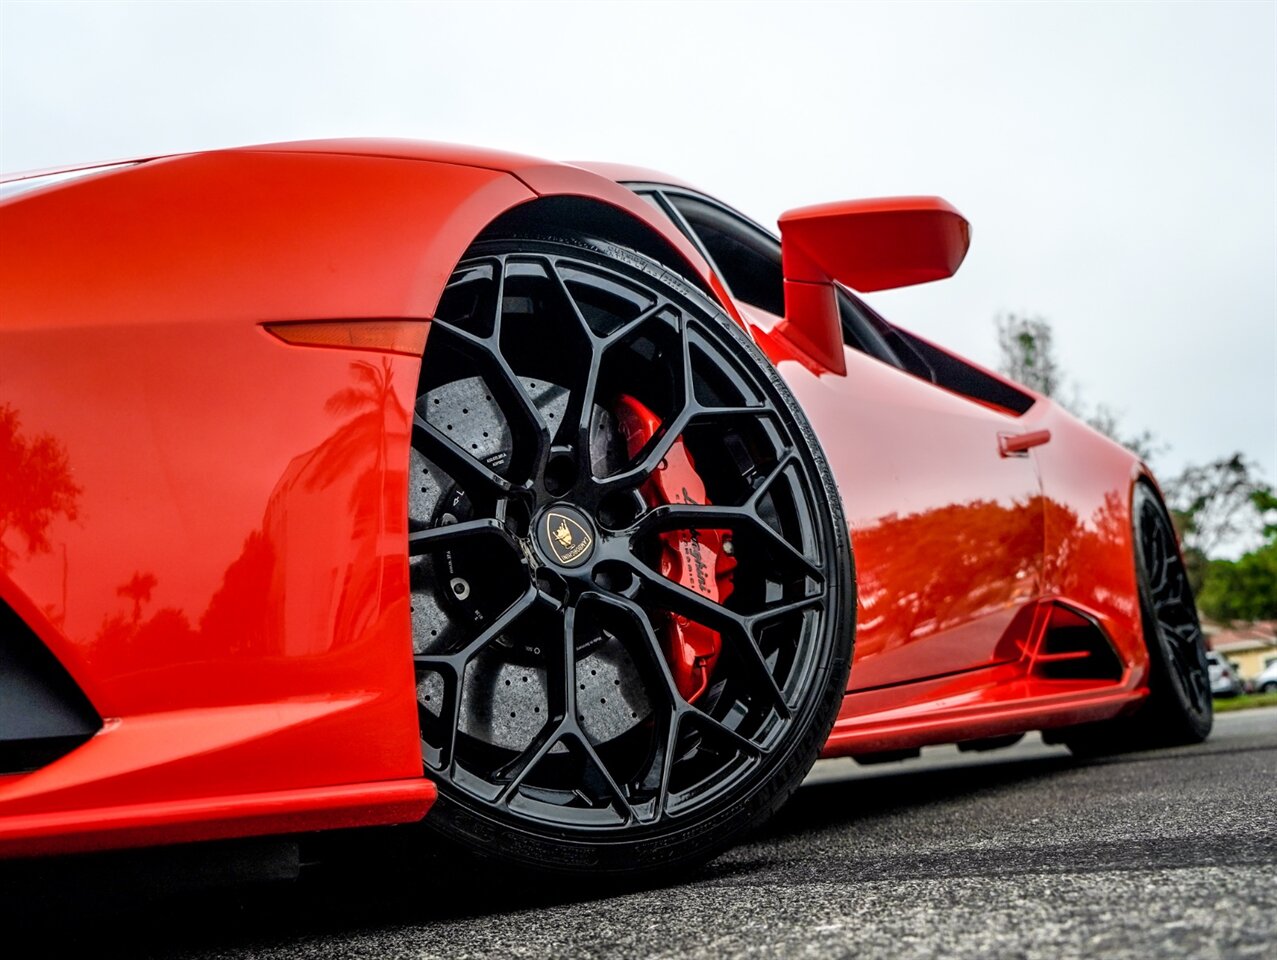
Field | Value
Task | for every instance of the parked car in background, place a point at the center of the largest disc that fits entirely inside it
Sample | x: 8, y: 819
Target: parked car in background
x: 1224, y: 680
x: 1266, y: 682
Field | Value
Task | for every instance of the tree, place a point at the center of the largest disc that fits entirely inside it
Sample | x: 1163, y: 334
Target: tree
x: 1026, y: 346
x: 1217, y: 503
x: 1244, y: 589
x: 138, y: 589
x: 35, y: 487
x: 1026, y: 350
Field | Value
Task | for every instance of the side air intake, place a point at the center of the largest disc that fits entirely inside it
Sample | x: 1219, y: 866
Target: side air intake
x: 1074, y: 647
x: 43, y: 714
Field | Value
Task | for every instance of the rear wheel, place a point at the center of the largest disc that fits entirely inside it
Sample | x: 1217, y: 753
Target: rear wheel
x: 1178, y: 709
x: 631, y: 579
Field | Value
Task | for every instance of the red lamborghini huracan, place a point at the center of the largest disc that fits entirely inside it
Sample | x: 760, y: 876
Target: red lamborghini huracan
x: 356, y: 482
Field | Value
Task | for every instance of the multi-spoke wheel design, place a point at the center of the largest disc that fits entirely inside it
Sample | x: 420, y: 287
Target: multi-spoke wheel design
x: 1178, y: 709
x: 631, y: 581
x: 1174, y: 635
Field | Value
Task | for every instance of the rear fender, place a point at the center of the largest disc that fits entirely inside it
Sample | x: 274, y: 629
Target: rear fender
x: 1087, y: 482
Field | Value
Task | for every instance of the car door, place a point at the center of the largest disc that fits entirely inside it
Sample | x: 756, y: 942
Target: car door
x: 946, y: 520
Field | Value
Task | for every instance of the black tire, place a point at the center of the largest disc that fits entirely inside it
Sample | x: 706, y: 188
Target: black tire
x: 1270, y: 687
x: 1178, y: 710
x: 569, y: 803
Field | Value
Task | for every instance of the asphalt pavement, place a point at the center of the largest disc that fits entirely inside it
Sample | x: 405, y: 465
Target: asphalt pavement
x: 1022, y: 852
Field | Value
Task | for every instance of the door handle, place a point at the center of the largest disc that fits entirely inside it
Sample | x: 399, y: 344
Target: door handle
x: 1019, y: 444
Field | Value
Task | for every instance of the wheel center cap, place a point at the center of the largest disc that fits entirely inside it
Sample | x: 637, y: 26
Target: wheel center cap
x: 565, y: 535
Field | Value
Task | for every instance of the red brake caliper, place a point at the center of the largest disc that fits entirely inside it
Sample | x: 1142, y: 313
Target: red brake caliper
x: 700, y: 560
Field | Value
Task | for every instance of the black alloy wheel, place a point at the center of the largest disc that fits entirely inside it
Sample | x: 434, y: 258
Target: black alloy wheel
x: 544, y: 611
x: 1179, y: 709
x: 1173, y: 632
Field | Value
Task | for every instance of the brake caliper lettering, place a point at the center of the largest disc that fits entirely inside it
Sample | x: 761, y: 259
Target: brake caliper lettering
x: 701, y: 560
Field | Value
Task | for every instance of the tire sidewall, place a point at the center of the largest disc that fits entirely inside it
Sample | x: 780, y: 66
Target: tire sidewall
x: 1167, y: 701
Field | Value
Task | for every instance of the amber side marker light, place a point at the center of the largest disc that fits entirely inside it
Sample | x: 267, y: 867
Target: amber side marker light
x: 386, y: 336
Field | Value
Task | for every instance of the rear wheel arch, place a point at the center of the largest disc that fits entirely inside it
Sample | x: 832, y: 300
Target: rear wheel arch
x: 1178, y: 709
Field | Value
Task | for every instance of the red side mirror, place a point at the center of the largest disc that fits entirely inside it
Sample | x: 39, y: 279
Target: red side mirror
x: 874, y: 244
x: 867, y: 245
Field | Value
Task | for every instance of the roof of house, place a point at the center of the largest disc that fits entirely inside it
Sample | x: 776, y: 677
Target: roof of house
x: 1254, y: 636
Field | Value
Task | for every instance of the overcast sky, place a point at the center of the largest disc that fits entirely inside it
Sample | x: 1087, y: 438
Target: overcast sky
x: 1118, y: 161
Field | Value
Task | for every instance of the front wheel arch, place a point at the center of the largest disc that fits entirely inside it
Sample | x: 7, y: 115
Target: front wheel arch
x: 589, y: 217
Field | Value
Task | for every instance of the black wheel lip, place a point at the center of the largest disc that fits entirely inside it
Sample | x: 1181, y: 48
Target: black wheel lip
x: 619, y: 542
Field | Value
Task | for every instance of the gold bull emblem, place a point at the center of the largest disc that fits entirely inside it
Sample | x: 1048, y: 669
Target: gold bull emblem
x: 567, y: 538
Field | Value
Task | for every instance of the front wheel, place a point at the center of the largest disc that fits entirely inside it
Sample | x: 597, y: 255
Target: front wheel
x: 1179, y: 709
x: 631, y: 577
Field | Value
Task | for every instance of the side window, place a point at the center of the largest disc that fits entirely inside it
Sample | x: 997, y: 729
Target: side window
x: 861, y: 322
x: 860, y: 333
x: 650, y: 197
x: 747, y: 259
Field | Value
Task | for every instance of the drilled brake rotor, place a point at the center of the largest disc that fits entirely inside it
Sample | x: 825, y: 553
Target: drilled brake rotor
x: 504, y: 699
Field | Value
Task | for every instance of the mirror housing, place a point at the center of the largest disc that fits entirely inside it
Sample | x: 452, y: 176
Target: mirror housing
x: 874, y: 244
x: 867, y: 245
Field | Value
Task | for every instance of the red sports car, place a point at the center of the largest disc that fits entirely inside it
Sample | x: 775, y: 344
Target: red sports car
x: 356, y: 482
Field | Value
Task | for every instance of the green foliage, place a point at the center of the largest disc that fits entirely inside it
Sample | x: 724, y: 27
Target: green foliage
x: 1245, y: 702
x: 1246, y: 589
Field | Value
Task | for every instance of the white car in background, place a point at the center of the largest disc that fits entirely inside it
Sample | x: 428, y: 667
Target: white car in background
x: 1266, y: 682
x: 1224, y: 679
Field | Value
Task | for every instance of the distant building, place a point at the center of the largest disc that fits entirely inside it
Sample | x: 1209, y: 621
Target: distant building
x: 1251, y: 647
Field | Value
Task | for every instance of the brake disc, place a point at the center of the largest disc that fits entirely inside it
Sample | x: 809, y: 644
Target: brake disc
x: 504, y: 693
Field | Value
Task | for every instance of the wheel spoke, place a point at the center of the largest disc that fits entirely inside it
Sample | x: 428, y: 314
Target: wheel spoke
x: 658, y: 448
x: 486, y: 351
x: 748, y: 650
x: 457, y: 660
x: 581, y: 408
x: 673, y: 596
x: 517, y: 770
x: 678, y: 707
x: 667, y: 759
x: 435, y: 539
x: 700, y: 609
x: 614, y: 788
x: 776, y: 611
x: 432, y: 444
x: 650, y: 645
x: 719, y: 729
x: 742, y: 521
x: 776, y: 472
x: 1186, y: 679
x: 452, y: 683
x: 628, y: 329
